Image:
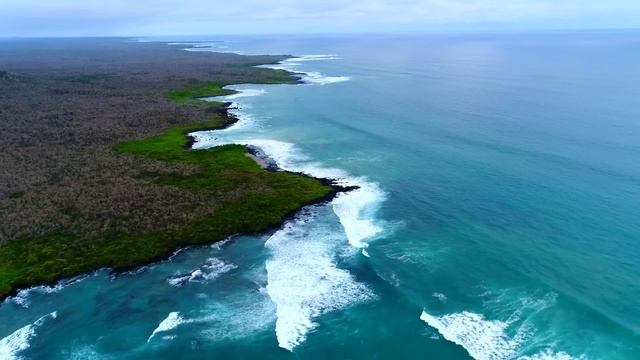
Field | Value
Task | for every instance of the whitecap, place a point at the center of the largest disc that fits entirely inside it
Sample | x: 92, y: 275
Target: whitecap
x: 315, y: 77
x: 22, y: 298
x: 440, y: 296
x: 356, y: 211
x: 19, y: 341
x: 304, y: 281
x: 549, y: 354
x: 172, y: 321
x: 483, y: 339
x: 209, y: 271
x: 316, y: 57
x: 309, y: 77
x: 244, y: 93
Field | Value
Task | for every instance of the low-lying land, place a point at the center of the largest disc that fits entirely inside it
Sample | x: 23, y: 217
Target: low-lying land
x: 96, y: 168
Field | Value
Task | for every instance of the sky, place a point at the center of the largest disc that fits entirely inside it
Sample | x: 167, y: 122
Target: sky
x: 206, y: 17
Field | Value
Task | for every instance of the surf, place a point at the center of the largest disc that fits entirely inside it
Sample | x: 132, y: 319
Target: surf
x: 304, y: 280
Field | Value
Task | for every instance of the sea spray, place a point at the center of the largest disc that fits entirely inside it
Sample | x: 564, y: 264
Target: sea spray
x: 209, y: 271
x: 173, y: 320
x: 303, y: 278
x: 483, y: 339
x: 19, y: 341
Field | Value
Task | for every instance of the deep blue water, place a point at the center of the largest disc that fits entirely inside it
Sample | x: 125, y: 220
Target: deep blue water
x: 498, y: 215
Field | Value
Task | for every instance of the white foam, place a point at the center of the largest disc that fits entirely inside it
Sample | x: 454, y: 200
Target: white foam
x: 315, y: 77
x: 549, y: 354
x: 244, y: 93
x: 302, y: 277
x: 440, y: 296
x: 317, y: 57
x: 172, y: 321
x: 356, y: 211
x: 309, y: 77
x: 483, y: 339
x: 12, y: 345
x: 223, y: 323
x: 304, y: 281
x: 22, y: 298
x: 209, y: 271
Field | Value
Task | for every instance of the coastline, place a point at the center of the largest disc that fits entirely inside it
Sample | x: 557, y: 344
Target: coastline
x: 222, y: 119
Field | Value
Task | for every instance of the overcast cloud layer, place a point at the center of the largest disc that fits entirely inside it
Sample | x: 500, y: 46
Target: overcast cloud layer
x: 186, y: 17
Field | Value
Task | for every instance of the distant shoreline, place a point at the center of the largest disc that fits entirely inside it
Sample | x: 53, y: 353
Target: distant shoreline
x: 276, y: 197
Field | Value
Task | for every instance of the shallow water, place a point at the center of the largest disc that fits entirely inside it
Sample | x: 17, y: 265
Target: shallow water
x: 497, y: 216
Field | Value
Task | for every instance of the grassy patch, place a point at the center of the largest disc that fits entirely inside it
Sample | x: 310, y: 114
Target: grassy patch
x: 247, y: 199
x: 192, y: 94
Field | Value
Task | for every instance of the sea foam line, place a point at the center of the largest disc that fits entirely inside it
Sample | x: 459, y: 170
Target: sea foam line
x: 310, y: 77
x: 22, y: 298
x: 303, y: 279
x: 19, y: 341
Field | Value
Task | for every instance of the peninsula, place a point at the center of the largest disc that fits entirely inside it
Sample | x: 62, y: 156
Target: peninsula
x: 97, y: 170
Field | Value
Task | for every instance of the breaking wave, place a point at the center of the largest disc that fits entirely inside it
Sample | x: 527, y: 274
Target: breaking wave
x: 486, y: 339
x: 209, y: 271
x: 22, y: 298
x: 245, y: 93
x: 303, y: 279
x: 310, y: 77
x: 483, y: 339
x: 172, y: 321
x: 19, y: 341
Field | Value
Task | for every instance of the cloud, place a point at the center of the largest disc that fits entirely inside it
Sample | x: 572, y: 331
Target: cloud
x: 120, y: 17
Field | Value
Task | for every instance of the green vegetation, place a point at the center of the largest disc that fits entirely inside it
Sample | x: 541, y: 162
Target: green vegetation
x: 192, y: 94
x: 247, y: 199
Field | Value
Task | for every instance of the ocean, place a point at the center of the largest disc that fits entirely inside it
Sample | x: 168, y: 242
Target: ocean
x: 497, y: 215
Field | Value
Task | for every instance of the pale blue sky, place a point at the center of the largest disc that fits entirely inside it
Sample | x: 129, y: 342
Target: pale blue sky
x: 191, y: 17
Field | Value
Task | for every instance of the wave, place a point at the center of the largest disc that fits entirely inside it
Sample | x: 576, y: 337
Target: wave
x: 219, y: 319
x: 22, y: 298
x: 245, y: 93
x: 550, y: 355
x: 309, y: 77
x: 483, y: 339
x: 489, y: 339
x: 315, y: 77
x: 209, y: 271
x: 355, y: 209
x: 303, y: 279
x: 172, y: 321
x: 19, y: 341
x: 316, y: 57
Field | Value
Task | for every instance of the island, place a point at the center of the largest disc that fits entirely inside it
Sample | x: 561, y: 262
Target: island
x: 97, y: 168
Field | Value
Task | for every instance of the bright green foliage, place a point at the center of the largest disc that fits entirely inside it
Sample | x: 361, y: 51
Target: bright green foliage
x: 193, y: 94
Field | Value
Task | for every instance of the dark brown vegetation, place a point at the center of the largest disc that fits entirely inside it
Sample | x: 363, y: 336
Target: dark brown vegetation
x: 66, y: 106
x: 63, y: 106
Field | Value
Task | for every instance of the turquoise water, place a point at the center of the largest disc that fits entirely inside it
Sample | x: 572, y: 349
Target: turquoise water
x: 498, y: 215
